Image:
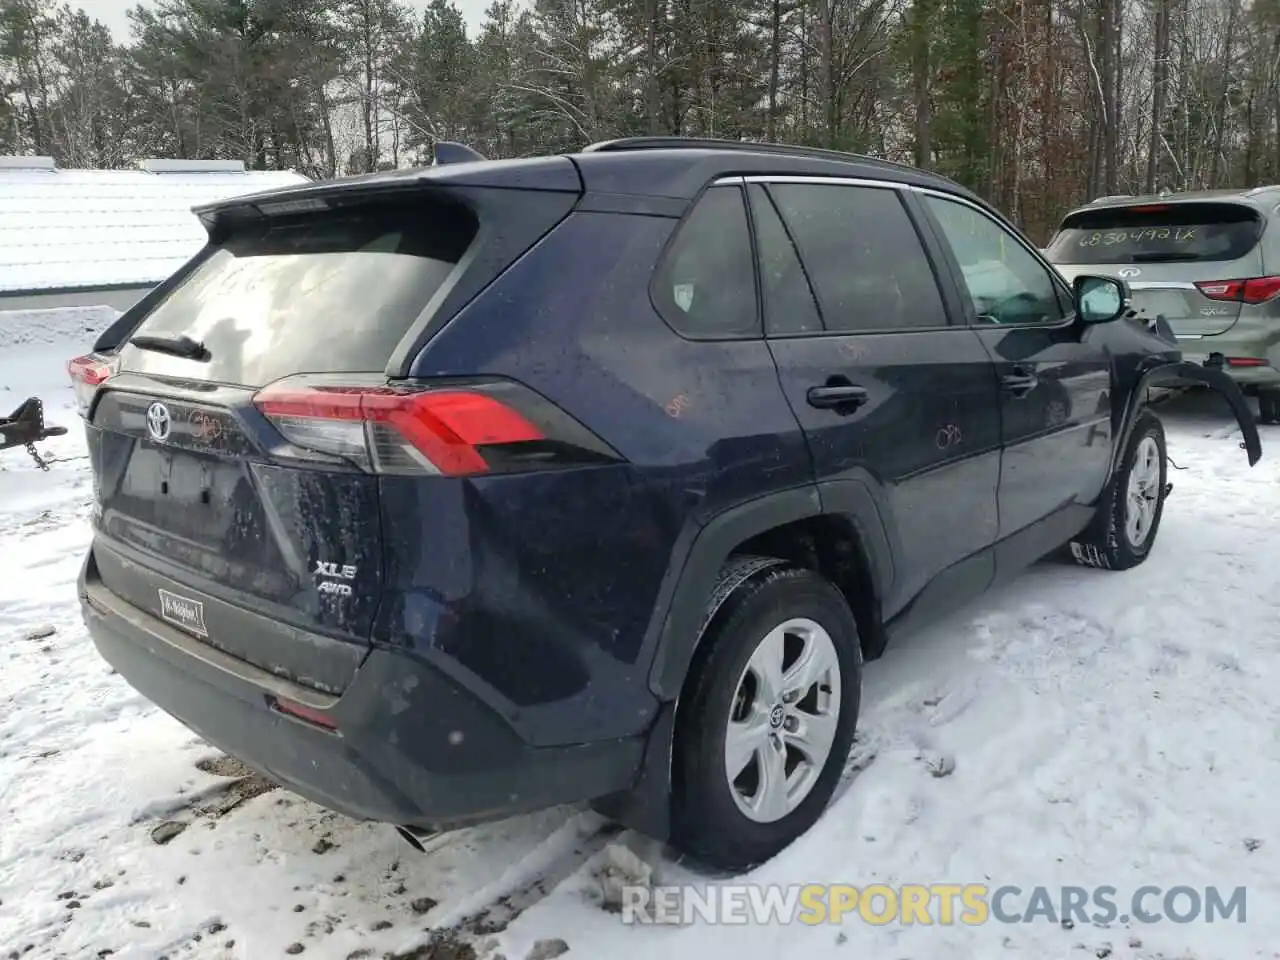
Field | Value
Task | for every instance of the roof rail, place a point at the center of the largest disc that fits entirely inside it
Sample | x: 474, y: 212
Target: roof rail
x: 155, y: 165
x: 1113, y: 196
x: 740, y: 146
x: 447, y: 151
x: 28, y: 163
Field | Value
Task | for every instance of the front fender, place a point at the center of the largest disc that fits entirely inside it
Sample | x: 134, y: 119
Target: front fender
x: 1182, y: 374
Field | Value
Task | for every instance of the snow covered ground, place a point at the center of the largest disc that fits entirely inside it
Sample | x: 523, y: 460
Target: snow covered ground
x: 1117, y: 729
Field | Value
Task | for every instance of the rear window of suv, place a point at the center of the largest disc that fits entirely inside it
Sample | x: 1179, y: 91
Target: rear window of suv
x: 324, y: 293
x: 1158, y: 233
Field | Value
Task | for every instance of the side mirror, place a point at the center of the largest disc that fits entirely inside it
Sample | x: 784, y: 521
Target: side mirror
x: 1100, y: 299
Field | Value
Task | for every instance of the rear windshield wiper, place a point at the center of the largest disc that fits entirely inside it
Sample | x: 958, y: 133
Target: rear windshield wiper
x: 1164, y: 257
x: 182, y: 346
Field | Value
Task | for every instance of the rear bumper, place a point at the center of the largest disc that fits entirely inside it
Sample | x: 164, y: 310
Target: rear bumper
x: 1266, y: 376
x: 412, y: 747
x: 1214, y: 349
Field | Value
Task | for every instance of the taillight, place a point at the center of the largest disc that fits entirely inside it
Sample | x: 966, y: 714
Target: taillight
x: 88, y: 373
x: 446, y: 431
x: 1247, y: 290
x: 1246, y: 362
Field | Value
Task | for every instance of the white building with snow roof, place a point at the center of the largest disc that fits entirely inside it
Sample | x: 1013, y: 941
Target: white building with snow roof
x: 71, y: 238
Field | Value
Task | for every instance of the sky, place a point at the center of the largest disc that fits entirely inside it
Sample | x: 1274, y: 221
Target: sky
x: 112, y: 12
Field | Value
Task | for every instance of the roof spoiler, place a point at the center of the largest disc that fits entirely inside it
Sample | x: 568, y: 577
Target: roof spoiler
x: 447, y: 151
x: 220, y: 215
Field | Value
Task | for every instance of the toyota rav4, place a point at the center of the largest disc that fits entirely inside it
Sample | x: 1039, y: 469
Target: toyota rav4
x: 442, y: 494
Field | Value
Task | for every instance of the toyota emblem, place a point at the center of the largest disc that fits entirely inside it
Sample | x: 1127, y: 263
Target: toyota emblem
x: 158, y: 422
x: 1130, y: 272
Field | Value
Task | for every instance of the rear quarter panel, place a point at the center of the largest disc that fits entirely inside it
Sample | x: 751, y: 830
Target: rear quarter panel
x: 561, y: 572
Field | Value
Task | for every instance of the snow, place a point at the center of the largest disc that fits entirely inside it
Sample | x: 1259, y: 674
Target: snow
x: 85, y: 228
x: 1117, y: 729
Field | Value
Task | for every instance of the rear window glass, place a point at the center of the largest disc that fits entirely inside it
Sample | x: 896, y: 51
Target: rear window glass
x: 332, y: 293
x: 1158, y: 233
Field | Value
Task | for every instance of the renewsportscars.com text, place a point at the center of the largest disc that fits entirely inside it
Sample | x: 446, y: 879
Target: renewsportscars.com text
x: 928, y: 904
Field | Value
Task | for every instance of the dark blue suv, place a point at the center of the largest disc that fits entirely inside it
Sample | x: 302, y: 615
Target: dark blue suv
x: 443, y: 494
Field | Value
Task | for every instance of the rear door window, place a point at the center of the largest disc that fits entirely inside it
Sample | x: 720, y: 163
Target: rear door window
x: 863, y: 254
x: 1158, y: 233
x: 789, y: 306
x: 324, y: 293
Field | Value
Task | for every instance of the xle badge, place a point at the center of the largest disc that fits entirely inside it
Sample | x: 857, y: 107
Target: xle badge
x: 334, y: 576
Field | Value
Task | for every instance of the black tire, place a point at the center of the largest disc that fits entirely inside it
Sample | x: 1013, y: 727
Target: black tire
x: 1107, y: 543
x: 1268, y: 406
x: 706, y: 821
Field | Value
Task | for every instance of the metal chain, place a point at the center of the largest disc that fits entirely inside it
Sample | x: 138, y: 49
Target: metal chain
x: 39, y: 460
x: 44, y: 463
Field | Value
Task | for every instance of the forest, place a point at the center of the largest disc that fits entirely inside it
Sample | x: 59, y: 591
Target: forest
x: 1038, y: 105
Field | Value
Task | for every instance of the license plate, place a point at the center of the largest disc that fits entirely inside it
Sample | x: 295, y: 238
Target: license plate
x: 1162, y: 303
x: 183, y: 612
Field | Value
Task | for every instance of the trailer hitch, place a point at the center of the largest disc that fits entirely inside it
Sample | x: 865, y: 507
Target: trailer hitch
x: 25, y: 427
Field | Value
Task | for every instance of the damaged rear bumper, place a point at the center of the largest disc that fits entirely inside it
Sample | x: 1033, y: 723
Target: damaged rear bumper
x: 404, y: 743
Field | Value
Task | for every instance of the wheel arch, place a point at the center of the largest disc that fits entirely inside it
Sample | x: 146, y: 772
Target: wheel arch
x: 846, y: 543
x: 834, y: 529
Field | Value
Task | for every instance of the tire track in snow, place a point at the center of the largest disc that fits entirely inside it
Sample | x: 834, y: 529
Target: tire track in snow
x: 525, y: 884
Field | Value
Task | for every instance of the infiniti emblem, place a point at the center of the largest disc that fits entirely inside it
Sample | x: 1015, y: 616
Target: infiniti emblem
x: 775, y: 717
x: 158, y: 422
x: 1130, y: 272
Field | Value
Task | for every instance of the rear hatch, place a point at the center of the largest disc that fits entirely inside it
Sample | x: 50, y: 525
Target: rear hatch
x: 238, y: 435
x: 1188, y: 261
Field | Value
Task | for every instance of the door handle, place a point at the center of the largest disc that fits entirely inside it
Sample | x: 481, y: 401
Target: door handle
x: 836, y: 394
x: 1020, y: 383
